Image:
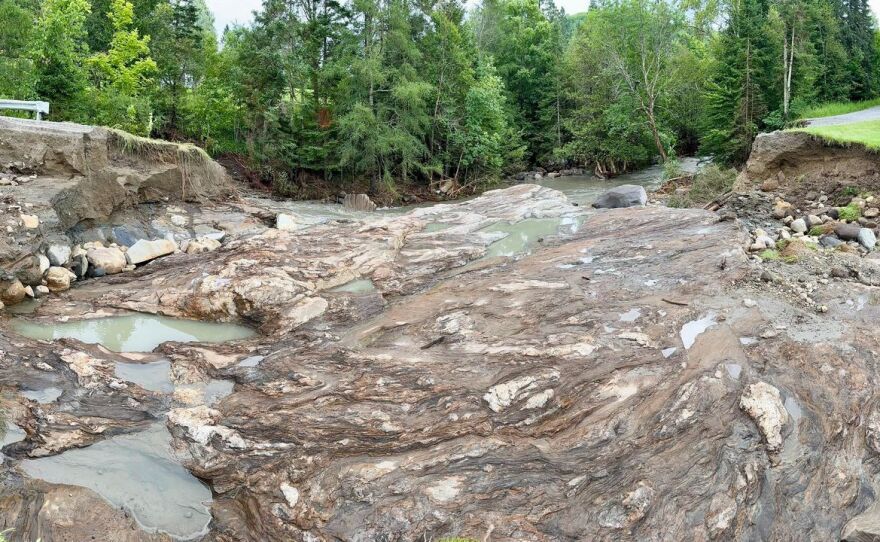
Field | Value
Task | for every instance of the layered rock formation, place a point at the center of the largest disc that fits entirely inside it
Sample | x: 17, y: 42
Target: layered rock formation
x: 611, y: 385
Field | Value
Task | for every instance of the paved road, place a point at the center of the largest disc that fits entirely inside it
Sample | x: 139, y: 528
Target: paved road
x: 872, y: 113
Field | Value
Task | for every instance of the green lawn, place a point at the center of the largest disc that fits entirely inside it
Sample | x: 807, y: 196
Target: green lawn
x: 830, y: 109
x: 867, y: 133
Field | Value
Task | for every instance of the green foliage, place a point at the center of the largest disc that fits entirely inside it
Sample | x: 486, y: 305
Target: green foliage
x: 850, y: 213
x: 769, y: 255
x: 59, y: 52
x: 122, y: 76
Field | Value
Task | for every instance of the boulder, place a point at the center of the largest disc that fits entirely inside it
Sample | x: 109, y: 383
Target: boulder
x: 109, y: 260
x: 627, y: 195
x: 847, y: 232
x: 799, y: 226
x: 58, y: 255
x: 867, y: 238
x: 12, y: 292
x: 144, y: 251
x: 58, y: 279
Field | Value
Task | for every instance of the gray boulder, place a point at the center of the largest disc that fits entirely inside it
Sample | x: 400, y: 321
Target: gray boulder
x: 867, y: 238
x: 58, y: 255
x: 847, y: 232
x: 627, y: 195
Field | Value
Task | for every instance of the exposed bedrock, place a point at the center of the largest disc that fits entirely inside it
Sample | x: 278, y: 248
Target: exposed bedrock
x: 611, y: 385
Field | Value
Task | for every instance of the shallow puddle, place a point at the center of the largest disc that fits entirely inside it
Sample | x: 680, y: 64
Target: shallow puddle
x: 360, y: 286
x: 436, y: 226
x: 521, y: 237
x: 154, y: 376
x: 136, y: 472
x: 691, y: 330
x: 133, y: 333
x: 44, y: 396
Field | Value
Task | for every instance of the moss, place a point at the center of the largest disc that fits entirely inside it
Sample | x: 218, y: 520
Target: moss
x: 782, y: 243
x: 816, y: 231
x: 769, y: 255
x: 790, y: 259
x: 849, y: 213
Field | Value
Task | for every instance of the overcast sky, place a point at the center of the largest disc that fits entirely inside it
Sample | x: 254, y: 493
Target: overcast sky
x: 240, y: 11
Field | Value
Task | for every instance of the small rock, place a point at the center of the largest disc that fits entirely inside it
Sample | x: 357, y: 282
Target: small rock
x: 798, y: 226
x: 41, y: 291
x: 108, y: 260
x: 30, y: 221
x: 767, y: 276
x: 45, y: 264
x: 144, y: 251
x: 769, y: 185
x: 12, y: 292
x: 829, y: 241
x: 58, y: 255
x: 750, y: 303
x: 58, y: 279
x: 871, y: 212
x: 202, y: 244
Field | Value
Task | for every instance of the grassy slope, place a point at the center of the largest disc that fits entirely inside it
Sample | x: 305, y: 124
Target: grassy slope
x: 830, y: 109
x: 867, y: 133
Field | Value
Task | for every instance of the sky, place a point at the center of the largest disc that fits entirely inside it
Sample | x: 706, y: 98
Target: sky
x: 228, y: 12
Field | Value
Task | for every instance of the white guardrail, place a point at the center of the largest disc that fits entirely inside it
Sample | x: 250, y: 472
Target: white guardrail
x: 37, y: 108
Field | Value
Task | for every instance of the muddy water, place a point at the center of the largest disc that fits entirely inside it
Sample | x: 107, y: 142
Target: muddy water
x: 139, y: 473
x: 133, y: 333
x: 584, y: 189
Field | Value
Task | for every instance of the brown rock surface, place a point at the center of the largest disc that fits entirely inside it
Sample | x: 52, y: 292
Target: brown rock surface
x: 590, y: 390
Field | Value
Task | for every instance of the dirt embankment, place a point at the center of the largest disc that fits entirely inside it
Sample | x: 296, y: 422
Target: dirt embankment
x: 797, y: 163
x: 100, y: 171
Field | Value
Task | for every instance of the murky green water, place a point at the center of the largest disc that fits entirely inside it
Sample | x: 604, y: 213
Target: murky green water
x: 522, y: 236
x: 133, y: 333
x: 139, y: 473
x: 360, y: 286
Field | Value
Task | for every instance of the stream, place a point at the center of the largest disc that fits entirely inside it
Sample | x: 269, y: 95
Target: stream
x: 138, y: 471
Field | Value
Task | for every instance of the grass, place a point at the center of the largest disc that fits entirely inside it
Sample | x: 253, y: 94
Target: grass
x: 769, y: 255
x: 829, y: 109
x: 850, y: 213
x: 866, y: 133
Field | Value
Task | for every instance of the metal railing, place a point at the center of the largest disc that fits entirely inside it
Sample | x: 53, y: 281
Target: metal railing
x: 37, y: 108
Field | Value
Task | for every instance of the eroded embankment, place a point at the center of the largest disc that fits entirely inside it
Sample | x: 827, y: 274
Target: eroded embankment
x: 798, y: 163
